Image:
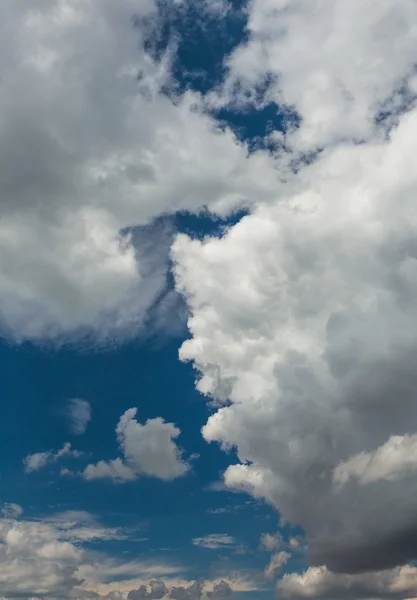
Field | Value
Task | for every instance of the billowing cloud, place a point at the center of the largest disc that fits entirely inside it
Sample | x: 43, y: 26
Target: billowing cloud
x: 79, y: 415
x: 319, y: 582
x: 393, y: 460
x: 223, y: 589
x: 49, y: 558
x: 158, y: 590
x: 39, y: 460
x: 91, y: 148
x: 36, y: 561
x: 303, y: 315
x: 191, y: 592
x: 332, y: 63
x: 148, y: 449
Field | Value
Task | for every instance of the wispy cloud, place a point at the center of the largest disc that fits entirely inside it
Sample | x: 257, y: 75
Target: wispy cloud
x: 79, y: 415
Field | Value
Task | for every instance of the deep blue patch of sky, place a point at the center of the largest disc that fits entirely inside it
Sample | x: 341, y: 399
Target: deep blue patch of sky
x: 201, y: 42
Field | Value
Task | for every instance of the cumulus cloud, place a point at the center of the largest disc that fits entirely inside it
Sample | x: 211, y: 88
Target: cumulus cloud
x: 332, y: 63
x: 36, y: 561
x: 393, y: 460
x: 148, y: 449
x: 79, y: 415
x: 319, y: 582
x: 223, y: 589
x: 49, y: 557
x: 39, y: 460
x: 192, y: 592
x: 214, y: 541
x: 158, y: 590
x: 91, y: 148
x: 303, y: 315
x: 271, y: 541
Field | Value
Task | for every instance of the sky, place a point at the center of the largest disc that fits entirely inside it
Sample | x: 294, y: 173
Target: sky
x: 208, y: 273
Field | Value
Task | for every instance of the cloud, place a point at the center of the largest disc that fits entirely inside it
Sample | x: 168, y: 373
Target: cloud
x: 11, y: 510
x: 39, y: 460
x: 148, y: 449
x: 276, y: 563
x: 158, y: 590
x: 223, y: 589
x: 215, y: 541
x: 319, y: 582
x: 302, y: 316
x: 192, y: 592
x: 35, y: 561
x: 271, y: 542
x: 91, y: 149
x: 393, y: 460
x: 81, y: 526
x: 49, y: 557
x: 79, y: 415
x: 331, y: 63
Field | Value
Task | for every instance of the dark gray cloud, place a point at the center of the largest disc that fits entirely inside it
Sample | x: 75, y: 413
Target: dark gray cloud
x: 192, y: 592
x: 220, y: 590
x: 157, y: 590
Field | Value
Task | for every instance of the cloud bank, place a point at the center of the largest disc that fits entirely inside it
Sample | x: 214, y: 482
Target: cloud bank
x: 303, y: 315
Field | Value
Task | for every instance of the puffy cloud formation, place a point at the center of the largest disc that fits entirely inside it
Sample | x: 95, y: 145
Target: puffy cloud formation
x: 192, y: 592
x: 332, y: 62
x: 39, y: 460
x: 79, y: 415
x: 303, y: 314
x: 90, y: 148
x: 223, y: 589
x: 319, y: 582
x: 271, y: 541
x: 49, y: 558
x: 392, y: 460
x: 214, y: 541
x: 158, y: 590
x: 148, y: 449
x: 36, y: 560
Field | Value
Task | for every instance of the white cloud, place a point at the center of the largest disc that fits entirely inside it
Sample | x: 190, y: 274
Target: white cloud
x: 91, y: 147
x: 35, y: 561
x: 319, y: 582
x: 276, y: 563
x: 79, y: 415
x: 271, y: 542
x: 81, y: 526
x: 11, y: 510
x: 39, y: 460
x: 332, y: 61
x: 214, y: 541
x: 148, y: 449
x: 114, y: 469
x: 47, y: 558
x: 303, y: 320
x: 393, y: 460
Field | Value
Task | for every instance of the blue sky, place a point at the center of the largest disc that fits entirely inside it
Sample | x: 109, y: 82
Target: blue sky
x: 207, y: 299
